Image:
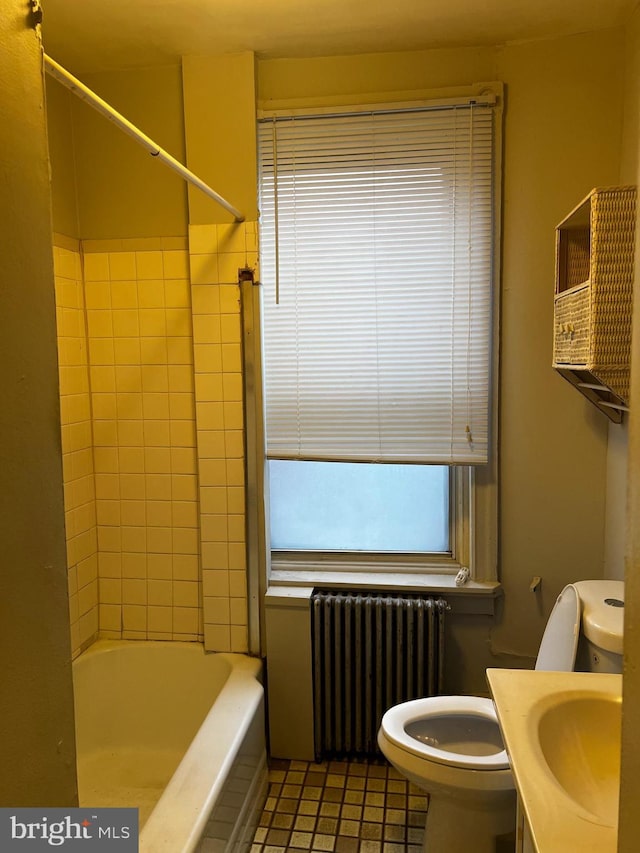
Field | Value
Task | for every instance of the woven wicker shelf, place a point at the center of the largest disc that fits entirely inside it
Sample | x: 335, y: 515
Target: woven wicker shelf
x: 593, y: 298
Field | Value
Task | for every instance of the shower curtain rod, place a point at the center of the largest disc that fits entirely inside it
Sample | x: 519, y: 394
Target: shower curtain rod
x: 84, y: 93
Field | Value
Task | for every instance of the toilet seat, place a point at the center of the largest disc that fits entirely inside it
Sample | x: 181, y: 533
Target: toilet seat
x: 395, y: 721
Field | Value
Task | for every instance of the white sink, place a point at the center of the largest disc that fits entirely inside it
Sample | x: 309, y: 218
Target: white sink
x: 562, y: 734
x: 580, y: 741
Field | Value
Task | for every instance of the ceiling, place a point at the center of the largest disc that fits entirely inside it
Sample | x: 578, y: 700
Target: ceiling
x: 109, y: 34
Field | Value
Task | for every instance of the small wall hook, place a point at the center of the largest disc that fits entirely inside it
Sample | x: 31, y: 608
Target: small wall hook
x: 535, y: 584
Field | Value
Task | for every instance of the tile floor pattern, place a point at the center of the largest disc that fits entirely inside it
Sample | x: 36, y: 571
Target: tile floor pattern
x: 340, y: 807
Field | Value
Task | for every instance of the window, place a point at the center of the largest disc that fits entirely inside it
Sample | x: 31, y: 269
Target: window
x: 377, y: 244
x: 348, y: 506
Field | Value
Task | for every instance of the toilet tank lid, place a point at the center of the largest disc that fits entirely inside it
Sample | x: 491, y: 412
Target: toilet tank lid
x: 602, y: 613
x: 560, y: 639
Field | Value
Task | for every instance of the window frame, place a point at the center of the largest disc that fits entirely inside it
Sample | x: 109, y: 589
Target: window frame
x: 473, y: 489
x: 284, y: 561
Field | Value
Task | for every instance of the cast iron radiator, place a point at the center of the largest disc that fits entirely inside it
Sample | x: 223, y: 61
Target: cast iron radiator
x: 370, y: 651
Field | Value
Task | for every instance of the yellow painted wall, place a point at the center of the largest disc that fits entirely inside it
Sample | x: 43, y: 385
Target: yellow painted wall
x: 562, y: 138
x: 629, y: 821
x: 618, y: 444
x: 37, y: 752
x: 62, y: 156
x: 219, y: 105
x: 118, y: 190
x: 122, y: 190
x: 346, y: 77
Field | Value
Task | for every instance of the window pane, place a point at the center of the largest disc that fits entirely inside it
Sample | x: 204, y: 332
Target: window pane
x: 342, y: 506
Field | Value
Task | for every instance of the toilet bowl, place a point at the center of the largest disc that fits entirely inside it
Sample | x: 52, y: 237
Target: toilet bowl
x: 471, y: 790
x: 451, y: 746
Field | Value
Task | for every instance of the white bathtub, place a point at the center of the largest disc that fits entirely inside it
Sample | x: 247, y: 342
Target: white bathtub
x: 179, y: 734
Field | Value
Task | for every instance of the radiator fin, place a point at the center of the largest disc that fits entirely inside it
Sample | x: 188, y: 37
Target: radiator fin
x: 370, y: 651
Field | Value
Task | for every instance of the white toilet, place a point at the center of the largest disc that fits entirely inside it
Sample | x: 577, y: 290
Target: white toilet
x: 451, y: 746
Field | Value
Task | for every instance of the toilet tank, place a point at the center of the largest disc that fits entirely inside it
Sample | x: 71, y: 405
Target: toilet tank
x: 601, y: 632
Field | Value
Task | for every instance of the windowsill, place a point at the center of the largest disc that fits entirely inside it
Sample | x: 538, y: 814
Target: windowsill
x: 473, y: 597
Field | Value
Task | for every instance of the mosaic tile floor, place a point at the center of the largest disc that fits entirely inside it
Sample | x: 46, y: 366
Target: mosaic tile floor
x: 340, y: 807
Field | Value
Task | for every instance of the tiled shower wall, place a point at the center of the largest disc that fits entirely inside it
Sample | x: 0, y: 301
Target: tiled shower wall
x: 142, y: 392
x: 77, y: 456
x: 157, y: 434
x: 217, y: 253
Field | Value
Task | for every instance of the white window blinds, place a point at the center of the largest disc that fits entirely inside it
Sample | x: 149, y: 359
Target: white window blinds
x: 376, y: 251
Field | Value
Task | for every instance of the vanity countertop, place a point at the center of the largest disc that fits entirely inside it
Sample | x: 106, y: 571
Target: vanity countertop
x: 562, y: 734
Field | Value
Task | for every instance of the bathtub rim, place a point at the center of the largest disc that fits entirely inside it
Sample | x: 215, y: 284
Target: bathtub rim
x: 179, y: 818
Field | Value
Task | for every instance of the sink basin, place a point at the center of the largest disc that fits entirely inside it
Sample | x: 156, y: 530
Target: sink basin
x: 562, y: 733
x: 579, y: 737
